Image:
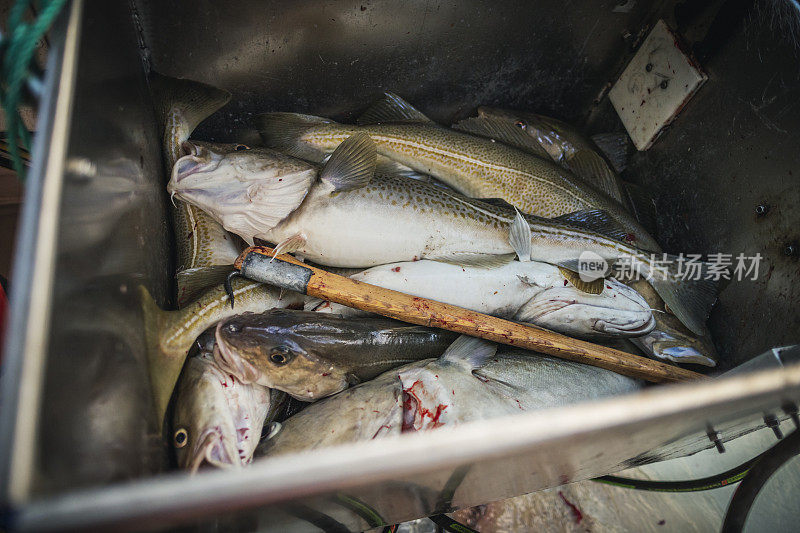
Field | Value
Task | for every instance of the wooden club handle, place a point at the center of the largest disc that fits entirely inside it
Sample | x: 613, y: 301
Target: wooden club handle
x: 257, y: 263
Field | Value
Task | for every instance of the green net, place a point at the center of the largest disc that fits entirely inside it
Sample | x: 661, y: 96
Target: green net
x: 17, y: 50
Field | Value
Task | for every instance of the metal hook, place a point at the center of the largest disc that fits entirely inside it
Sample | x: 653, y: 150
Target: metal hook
x: 229, y: 287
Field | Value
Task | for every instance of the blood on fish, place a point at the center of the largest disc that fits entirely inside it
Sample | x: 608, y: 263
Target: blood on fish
x: 379, y: 429
x: 565, y: 283
x: 409, y: 396
x: 576, y: 513
x: 325, y: 374
x: 396, y: 269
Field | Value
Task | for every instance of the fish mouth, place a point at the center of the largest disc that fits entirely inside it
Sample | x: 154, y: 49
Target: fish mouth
x: 664, y: 346
x: 635, y: 328
x: 231, y: 362
x: 196, y: 159
x: 214, y: 450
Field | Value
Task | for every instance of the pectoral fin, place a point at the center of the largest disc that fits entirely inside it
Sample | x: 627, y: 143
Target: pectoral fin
x: 471, y: 352
x: 289, y: 245
x: 589, y: 287
x: 352, y: 164
x: 519, y: 236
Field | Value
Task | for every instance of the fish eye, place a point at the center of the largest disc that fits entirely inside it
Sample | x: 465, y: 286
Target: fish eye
x: 280, y: 355
x: 233, y: 328
x: 520, y: 124
x: 241, y: 147
x: 181, y: 438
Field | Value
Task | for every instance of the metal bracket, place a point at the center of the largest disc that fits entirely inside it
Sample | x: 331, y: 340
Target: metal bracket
x: 655, y: 86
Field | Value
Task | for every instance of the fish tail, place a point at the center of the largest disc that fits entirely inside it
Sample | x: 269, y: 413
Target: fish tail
x: 163, y: 371
x: 193, y: 281
x: 181, y: 105
x: 285, y: 131
x: 688, y: 289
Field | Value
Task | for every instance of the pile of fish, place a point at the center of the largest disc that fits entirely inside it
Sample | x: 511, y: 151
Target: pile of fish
x: 491, y: 215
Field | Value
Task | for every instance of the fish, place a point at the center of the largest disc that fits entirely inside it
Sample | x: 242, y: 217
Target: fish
x: 470, y: 381
x: 218, y: 420
x: 205, y: 250
x: 170, y: 334
x: 350, y: 217
x: 313, y: 355
x: 669, y: 339
x: 568, y: 147
x: 471, y: 164
x: 533, y: 292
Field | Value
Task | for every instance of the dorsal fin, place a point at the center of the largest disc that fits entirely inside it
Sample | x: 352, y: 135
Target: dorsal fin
x: 471, y: 352
x: 352, y: 164
x: 598, y: 221
x: 519, y: 237
x: 503, y: 131
x: 391, y: 108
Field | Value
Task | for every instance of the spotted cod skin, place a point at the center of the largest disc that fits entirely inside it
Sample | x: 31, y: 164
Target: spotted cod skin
x: 469, y: 382
x: 350, y: 217
x: 473, y: 165
x: 569, y: 148
x: 205, y: 249
x: 562, y: 143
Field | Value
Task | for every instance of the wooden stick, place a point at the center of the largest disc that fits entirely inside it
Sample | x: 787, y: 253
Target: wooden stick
x: 257, y: 263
